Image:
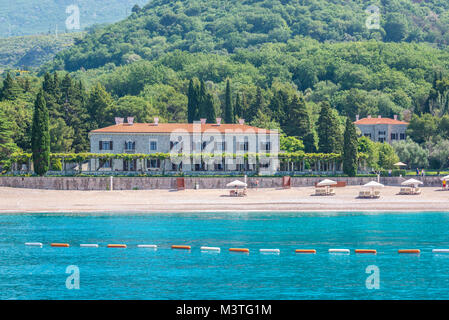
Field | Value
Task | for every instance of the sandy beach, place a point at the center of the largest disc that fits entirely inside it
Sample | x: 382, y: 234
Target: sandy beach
x: 14, y: 200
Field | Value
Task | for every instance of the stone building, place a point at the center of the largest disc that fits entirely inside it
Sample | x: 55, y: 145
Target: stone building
x: 382, y: 129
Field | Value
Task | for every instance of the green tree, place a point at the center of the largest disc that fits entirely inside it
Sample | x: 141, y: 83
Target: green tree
x: 350, y: 149
x: 255, y: 106
x: 411, y: 153
x: 228, y: 108
x: 61, y: 136
x: 329, y: 134
x: 387, y: 156
x: 192, y: 101
x: 99, y: 102
x: 290, y: 144
x: 7, y: 145
x: 422, y: 129
x: 11, y: 90
x: 298, y: 123
x: 40, y: 137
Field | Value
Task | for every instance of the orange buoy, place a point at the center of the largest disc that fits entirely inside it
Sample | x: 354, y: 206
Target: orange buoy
x: 180, y: 247
x: 239, y: 250
x: 373, y: 251
x: 409, y: 251
x: 116, y: 245
x: 64, y: 245
x: 305, y: 251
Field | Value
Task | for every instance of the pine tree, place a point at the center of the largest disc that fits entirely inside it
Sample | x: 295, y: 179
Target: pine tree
x: 298, y: 123
x: 258, y: 104
x: 40, y: 136
x: 52, y: 95
x: 11, y: 89
x: 350, y: 149
x: 228, y: 109
x: 98, y: 104
x: 7, y: 145
x: 329, y: 135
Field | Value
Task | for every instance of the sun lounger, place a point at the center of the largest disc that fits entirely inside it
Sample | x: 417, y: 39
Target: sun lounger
x: 417, y: 191
x: 376, y: 193
x: 331, y: 192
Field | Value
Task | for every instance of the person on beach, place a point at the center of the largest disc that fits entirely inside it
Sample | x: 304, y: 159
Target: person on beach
x: 444, y: 184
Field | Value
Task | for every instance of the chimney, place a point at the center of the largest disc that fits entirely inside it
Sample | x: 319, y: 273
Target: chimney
x: 379, y: 117
x: 241, y: 121
x: 119, y: 120
x: 218, y: 121
x: 203, y: 120
x: 369, y: 116
x: 395, y: 117
x: 130, y: 120
x: 357, y: 118
x: 156, y: 121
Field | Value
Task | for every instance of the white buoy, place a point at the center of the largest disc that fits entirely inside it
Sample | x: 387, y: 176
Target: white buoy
x: 338, y: 250
x: 152, y: 246
x: 440, y: 250
x: 35, y: 244
x: 210, y: 249
x: 89, y: 245
x: 270, y: 251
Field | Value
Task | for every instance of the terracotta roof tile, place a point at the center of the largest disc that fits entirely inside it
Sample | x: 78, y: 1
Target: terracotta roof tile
x: 372, y: 121
x: 170, y: 127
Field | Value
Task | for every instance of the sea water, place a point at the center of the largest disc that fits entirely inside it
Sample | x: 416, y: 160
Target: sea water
x: 143, y: 273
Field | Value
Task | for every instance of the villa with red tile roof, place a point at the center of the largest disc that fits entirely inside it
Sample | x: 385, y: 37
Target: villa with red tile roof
x: 382, y: 129
x: 185, y: 138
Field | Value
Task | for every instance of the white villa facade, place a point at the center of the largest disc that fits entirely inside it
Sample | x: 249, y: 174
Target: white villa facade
x: 185, y: 138
x: 382, y: 129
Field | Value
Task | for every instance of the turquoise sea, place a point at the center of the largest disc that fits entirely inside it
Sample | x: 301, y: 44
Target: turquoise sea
x: 137, y: 273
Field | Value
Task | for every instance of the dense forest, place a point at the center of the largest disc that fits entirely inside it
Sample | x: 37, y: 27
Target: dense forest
x: 257, y: 60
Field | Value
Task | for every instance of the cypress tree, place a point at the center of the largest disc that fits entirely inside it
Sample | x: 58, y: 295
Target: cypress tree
x: 209, y: 108
x: 7, y: 145
x: 258, y: 104
x: 350, y: 149
x: 329, y: 135
x: 202, y: 101
x: 229, y: 110
x: 192, y: 102
x: 40, y: 136
x: 238, y: 108
x: 298, y: 123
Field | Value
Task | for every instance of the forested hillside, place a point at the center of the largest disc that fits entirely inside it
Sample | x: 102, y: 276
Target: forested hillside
x: 33, y: 51
x: 263, y: 61
x: 31, y: 17
x: 224, y: 26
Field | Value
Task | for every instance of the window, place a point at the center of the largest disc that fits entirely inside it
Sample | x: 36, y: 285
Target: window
x: 153, y: 145
x: 153, y: 163
x: 130, y: 145
x: 243, y: 146
x: 105, y: 145
x: 266, y: 146
x: 382, y: 140
x: 394, y: 136
x: 402, y: 136
x: 129, y: 165
x: 382, y: 133
x: 220, y: 146
x: 367, y: 135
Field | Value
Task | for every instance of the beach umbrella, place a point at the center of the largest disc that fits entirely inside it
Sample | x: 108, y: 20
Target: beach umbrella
x: 236, y: 183
x: 326, y: 182
x: 373, y: 184
x: 444, y: 178
x: 412, y: 182
x: 400, y: 164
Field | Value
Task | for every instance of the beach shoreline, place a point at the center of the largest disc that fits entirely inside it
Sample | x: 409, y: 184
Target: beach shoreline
x: 15, y: 200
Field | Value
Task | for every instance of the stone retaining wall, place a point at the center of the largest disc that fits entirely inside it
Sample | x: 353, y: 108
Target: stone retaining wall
x: 145, y: 183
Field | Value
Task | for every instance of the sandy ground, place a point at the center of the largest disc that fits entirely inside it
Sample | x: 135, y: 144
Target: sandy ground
x: 14, y: 200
